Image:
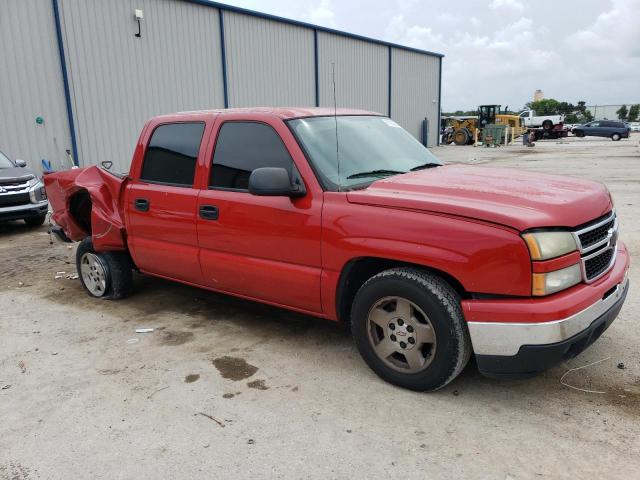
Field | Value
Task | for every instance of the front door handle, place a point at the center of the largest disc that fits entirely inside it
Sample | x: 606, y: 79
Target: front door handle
x: 209, y: 212
x: 141, y: 204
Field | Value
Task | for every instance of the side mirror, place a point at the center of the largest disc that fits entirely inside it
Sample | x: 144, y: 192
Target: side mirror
x: 20, y: 163
x: 274, y: 182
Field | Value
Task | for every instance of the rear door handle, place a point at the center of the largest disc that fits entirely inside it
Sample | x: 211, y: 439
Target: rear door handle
x: 209, y: 212
x: 141, y: 204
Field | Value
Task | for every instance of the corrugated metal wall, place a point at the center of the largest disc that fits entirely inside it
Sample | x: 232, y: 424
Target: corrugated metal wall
x: 268, y: 63
x: 31, y: 85
x: 415, y: 95
x: 118, y: 81
x: 361, y: 72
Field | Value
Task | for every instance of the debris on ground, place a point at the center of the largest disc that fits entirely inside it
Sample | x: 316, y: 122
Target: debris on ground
x: 20, y: 284
x: 212, y: 418
x: 251, y: 441
x: 22, y: 366
x: 60, y: 275
x: 5, y: 387
x: 159, y: 390
x: 144, y: 330
x: 71, y: 276
x: 621, y: 366
x: 131, y: 341
x: 580, y: 368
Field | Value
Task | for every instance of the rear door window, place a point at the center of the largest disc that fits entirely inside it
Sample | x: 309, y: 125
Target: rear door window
x: 172, y: 154
x: 240, y: 149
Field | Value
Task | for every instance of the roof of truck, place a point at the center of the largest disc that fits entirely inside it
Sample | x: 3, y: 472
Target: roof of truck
x: 284, y: 112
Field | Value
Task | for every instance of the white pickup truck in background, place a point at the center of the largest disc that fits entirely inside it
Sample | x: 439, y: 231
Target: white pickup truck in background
x: 529, y: 119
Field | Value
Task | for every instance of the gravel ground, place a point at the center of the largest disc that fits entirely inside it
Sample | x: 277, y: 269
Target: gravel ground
x: 225, y: 388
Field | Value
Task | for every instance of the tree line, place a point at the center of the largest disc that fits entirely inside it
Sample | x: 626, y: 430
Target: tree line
x: 631, y: 114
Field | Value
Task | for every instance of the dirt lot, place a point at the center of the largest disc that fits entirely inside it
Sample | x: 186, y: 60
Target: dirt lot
x: 225, y: 388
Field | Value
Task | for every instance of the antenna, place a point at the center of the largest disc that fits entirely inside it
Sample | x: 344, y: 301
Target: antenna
x: 335, y: 119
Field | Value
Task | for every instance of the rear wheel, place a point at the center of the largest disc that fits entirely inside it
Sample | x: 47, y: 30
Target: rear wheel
x: 615, y: 137
x: 35, y: 221
x: 103, y: 274
x: 409, y: 328
x: 547, y: 125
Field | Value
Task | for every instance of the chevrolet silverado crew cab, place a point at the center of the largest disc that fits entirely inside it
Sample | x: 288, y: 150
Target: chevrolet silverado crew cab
x: 344, y: 215
x: 22, y: 194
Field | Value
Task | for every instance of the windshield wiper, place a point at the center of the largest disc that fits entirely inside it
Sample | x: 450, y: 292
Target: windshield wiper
x: 374, y: 173
x: 424, y: 166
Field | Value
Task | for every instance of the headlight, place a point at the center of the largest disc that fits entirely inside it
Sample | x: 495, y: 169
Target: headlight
x: 551, y: 282
x: 546, y: 245
x: 37, y: 192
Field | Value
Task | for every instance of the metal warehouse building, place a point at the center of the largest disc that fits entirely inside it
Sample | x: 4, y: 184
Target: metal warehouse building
x: 77, y: 78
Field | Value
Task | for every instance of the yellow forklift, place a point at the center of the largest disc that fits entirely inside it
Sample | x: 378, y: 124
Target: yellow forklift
x: 462, y: 130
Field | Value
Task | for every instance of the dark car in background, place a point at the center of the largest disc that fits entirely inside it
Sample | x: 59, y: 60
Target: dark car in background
x: 22, y: 194
x: 603, y: 128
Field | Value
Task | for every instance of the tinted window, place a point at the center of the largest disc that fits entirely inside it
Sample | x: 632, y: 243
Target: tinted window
x: 241, y: 148
x: 172, y: 153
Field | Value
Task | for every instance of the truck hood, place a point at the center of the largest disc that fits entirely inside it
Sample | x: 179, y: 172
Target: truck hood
x: 15, y: 174
x: 514, y: 198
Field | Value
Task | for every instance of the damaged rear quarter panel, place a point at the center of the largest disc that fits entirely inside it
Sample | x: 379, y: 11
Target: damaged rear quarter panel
x: 104, y: 189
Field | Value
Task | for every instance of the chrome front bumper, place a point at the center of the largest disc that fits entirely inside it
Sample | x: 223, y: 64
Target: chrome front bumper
x: 506, y: 339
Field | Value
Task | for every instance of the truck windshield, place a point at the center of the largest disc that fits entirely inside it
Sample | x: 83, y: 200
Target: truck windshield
x: 5, y: 162
x: 368, y: 148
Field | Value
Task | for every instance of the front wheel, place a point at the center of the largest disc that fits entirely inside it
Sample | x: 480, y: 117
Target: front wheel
x: 409, y: 328
x: 35, y: 221
x: 105, y: 275
x: 462, y: 136
x: 579, y: 133
x: 615, y: 137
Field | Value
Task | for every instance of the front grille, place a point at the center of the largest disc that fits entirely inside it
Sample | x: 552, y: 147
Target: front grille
x: 597, y: 241
x: 598, y: 264
x: 597, y: 235
x: 13, y: 187
x: 13, y: 183
x: 14, y: 200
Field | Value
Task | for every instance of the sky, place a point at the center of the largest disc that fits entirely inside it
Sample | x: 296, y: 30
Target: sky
x: 499, y: 51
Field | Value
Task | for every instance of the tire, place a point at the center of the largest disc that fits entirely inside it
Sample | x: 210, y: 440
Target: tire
x: 441, y: 346
x: 579, y: 133
x: 547, y: 125
x: 35, y: 221
x: 461, y: 136
x: 106, y: 275
x: 616, y: 137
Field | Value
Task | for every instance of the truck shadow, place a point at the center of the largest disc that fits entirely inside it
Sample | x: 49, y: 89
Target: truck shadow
x: 212, y: 322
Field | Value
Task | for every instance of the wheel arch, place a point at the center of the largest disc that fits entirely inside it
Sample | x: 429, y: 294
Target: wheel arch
x: 80, y: 206
x: 358, y: 270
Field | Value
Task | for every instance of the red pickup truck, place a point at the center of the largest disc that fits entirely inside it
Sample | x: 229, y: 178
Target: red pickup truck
x: 344, y: 215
